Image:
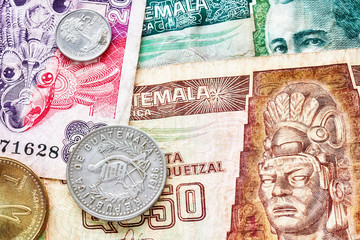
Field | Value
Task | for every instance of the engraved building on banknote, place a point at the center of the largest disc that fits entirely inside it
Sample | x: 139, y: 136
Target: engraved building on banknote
x: 300, y: 142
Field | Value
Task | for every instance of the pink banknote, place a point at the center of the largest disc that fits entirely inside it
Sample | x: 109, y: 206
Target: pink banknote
x: 44, y: 95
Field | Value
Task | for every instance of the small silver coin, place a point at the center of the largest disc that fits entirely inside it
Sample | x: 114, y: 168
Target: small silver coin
x: 116, y: 173
x: 83, y: 35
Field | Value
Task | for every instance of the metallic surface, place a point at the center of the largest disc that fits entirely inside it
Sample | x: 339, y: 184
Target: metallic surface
x: 83, y: 35
x: 23, y: 202
x: 116, y: 173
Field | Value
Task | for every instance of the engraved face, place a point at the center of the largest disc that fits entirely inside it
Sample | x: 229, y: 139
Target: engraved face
x: 83, y: 35
x: 28, y: 87
x: 305, y: 26
x: 29, y: 66
x: 291, y: 193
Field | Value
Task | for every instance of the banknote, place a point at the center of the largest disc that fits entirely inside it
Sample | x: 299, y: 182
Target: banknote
x: 190, y: 31
x: 298, y: 26
x: 260, y: 148
x: 178, y: 31
x: 192, y: 135
x: 43, y: 92
x: 301, y: 155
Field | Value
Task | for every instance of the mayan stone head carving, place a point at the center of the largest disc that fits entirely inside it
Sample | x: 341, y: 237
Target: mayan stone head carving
x: 305, y: 182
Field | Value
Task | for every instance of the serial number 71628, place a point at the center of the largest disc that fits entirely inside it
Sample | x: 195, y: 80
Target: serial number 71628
x: 29, y: 149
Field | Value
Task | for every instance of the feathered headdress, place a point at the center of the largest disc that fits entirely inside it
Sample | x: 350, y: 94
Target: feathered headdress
x: 303, y: 120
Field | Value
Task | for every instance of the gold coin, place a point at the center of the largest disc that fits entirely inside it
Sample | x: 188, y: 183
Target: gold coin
x: 23, y: 202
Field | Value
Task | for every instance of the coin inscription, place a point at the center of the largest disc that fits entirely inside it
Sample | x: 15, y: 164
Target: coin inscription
x: 116, y: 173
x: 83, y: 35
x: 23, y: 201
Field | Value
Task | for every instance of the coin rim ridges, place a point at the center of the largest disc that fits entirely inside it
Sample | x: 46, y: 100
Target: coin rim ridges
x: 82, y: 59
x: 43, y: 221
x: 123, y: 217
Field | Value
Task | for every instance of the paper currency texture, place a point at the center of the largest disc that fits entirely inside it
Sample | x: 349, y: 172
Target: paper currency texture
x: 299, y: 26
x: 178, y: 31
x: 193, y: 137
x: 42, y: 92
x: 260, y: 148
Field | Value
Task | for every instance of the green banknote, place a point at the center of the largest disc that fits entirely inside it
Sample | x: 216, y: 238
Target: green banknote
x: 298, y: 26
x: 260, y: 148
x: 177, y: 31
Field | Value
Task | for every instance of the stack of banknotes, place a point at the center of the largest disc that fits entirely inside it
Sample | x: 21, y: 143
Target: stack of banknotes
x: 254, y: 103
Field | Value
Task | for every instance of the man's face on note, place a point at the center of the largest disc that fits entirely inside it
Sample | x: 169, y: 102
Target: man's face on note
x: 291, y: 194
x: 305, y: 26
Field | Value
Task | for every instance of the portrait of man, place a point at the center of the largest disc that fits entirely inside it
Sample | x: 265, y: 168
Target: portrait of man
x: 297, y: 26
x: 304, y: 172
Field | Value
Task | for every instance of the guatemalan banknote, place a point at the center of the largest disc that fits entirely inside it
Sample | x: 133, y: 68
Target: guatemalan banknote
x: 255, y: 148
x: 202, y: 30
x: 44, y: 96
x: 178, y: 31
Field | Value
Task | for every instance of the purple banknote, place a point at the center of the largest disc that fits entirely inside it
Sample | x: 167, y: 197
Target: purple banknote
x: 42, y: 91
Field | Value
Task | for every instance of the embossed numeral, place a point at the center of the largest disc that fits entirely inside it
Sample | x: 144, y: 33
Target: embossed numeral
x: 11, y: 179
x: 15, y: 212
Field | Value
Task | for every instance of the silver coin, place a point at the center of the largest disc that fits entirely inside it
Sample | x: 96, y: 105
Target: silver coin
x: 83, y: 35
x: 116, y: 173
